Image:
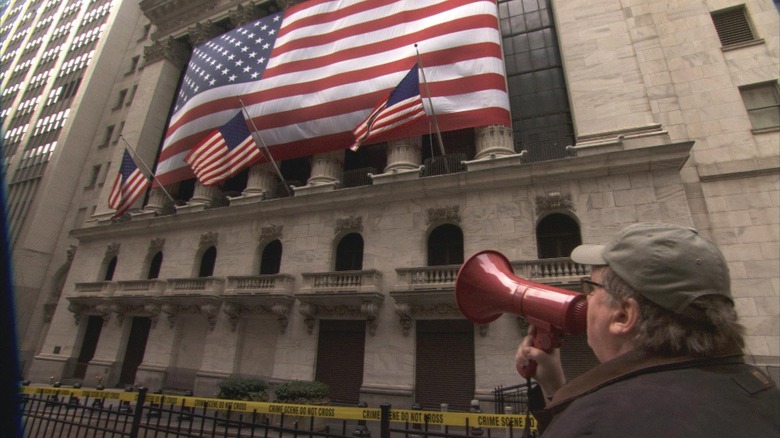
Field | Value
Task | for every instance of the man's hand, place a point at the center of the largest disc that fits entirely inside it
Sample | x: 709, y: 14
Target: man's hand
x: 549, y: 372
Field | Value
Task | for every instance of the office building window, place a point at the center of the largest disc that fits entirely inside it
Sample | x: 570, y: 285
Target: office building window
x: 733, y: 26
x: 762, y: 102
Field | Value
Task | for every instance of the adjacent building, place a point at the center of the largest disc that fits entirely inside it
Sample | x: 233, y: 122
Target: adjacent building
x: 344, y: 270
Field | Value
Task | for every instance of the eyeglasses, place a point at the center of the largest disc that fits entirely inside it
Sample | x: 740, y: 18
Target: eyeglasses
x: 589, y: 286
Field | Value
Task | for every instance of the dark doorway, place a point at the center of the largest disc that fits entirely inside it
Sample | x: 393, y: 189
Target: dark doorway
x: 110, y: 268
x: 88, y: 345
x: 556, y: 236
x: 207, y: 262
x: 155, y: 265
x: 349, y: 253
x: 340, y: 358
x: 445, y: 246
x: 445, y: 364
x: 271, y: 258
x: 136, y: 345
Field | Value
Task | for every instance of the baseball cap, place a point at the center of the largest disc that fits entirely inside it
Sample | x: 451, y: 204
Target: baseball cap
x: 670, y: 265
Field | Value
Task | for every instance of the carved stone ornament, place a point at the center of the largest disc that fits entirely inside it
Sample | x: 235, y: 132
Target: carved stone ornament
x: 204, y: 31
x: 351, y: 224
x: 71, y: 253
x: 449, y: 214
x: 554, y: 201
x: 167, y: 49
x: 244, y: 14
x: 208, y: 239
x: 156, y: 244
x: 270, y: 233
x: 112, y: 250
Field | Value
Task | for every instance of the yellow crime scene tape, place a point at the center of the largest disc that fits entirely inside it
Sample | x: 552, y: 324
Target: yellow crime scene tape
x: 433, y: 418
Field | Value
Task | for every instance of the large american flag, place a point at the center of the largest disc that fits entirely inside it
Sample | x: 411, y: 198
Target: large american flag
x: 310, y: 74
x: 129, y: 185
x: 401, y: 107
x: 224, y: 153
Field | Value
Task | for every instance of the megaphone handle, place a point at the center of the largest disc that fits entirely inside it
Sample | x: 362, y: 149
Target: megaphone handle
x: 543, y: 340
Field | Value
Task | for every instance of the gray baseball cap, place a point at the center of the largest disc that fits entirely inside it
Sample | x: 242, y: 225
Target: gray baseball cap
x: 670, y: 265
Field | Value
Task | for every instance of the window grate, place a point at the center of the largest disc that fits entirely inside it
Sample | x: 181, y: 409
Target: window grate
x: 733, y: 26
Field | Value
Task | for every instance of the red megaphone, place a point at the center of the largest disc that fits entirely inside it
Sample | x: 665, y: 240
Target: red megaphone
x: 486, y: 287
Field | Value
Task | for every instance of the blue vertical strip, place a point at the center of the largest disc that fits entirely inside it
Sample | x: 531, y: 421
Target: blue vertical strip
x: 10, y: 420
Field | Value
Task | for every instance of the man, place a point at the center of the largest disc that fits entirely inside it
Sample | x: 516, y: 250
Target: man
x: 662, y: 324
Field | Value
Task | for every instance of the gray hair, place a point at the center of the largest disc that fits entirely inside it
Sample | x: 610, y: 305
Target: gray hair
x: 661, y: 331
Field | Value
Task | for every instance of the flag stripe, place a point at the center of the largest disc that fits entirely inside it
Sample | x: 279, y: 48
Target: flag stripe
x: 224, y: 153
x: 129, y: 185
x: 329, y: 65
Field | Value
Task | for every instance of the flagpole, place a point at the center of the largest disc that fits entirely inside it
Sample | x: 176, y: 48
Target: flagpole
x: 256, y: 136
x: 146, y: 167
x: 430, y: 103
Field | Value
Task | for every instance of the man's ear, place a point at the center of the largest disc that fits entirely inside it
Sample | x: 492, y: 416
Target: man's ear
x: 624, y: 317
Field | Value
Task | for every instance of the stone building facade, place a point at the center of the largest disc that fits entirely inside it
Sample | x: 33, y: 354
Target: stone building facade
x: 658, y: 115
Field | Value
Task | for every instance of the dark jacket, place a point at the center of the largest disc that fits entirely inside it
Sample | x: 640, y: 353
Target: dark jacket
x: 636, y: 395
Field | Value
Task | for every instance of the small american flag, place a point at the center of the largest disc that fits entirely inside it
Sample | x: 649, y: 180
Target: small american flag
x: 129, y: 185
x: 402, y: 106
x: 224, y: 153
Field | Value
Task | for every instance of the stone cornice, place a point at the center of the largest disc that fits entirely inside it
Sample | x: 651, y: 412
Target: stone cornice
x: 174, y: 17
x: 649, y: 159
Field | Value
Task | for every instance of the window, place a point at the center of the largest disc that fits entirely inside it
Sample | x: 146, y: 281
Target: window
x: 556, y: 236
x: 762, y: 102
x: 207, y: 262
x: 94, y: 177
x: 107, y: 136
x: 133, y: 65
x: 542, y: 121
x: 154, y: 266
x: 733, y: 26
x: 349, y: 253
x: 121, y: 99
x: 271, y: 259
x: 445, y: 246
x: 110, y: 267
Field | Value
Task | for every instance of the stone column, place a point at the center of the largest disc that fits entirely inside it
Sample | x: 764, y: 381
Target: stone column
x: 326, y: 171
x: 404, y: 154
x: 493, y: 141
x: 203, y: 197
x: 262, y: 179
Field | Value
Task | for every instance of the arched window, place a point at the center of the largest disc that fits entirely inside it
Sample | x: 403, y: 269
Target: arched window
x: 271, y: 258
x: 556, y: 236
x: 207, y: 261
x: 154, y: 266
x: 110, y: 267
x: 349, y: 253
x: 445, y: 245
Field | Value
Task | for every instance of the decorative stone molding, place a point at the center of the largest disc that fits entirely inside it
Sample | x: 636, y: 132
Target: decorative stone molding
x: 244, y: 14
x: 350, y: 224
x: 271, y: 233
x: 554, y: 201
x: 204, y: 31
x: 449, y: 214
x: 112, y: 250
x: 236, y: 311
x: 71, y: 253
x: 156, y: 244
x: 207, y: 239
x: 368, y: 310
x: 167, y: 49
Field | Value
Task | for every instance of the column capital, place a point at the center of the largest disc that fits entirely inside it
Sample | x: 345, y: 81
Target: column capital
x: 167, y: 49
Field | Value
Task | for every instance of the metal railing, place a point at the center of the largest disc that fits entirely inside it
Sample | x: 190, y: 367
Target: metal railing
x: 357, y: 177
x: 444, y: 164
x: 64, y: 412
